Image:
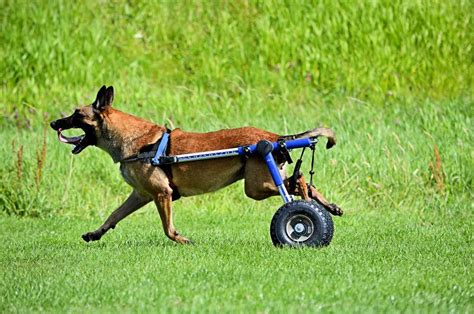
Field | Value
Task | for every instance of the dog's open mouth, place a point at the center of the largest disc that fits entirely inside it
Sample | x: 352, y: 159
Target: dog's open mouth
x: 79, y: 142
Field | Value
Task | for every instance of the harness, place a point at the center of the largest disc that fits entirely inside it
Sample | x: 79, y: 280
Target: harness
x: 152, y: 153
x: 157, y: 156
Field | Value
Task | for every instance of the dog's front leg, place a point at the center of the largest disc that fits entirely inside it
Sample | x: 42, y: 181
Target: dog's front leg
x: 133, y: 202
x: 163, y: 204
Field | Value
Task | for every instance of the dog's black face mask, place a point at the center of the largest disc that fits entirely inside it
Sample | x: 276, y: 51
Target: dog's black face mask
x: 87, y: 118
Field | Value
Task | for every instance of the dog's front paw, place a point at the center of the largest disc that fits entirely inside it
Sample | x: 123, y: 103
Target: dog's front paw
x: 91, y: 236
x: 187, y: 241
x: 183, y: 240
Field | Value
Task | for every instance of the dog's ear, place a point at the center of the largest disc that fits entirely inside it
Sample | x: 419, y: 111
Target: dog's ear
x: 109, y: 96
x: 104, y: 98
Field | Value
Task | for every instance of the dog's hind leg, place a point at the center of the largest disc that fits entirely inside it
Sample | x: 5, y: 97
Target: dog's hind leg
x: 163, y: 204
x: 308, y: 192
x: 258, y: 182
x: 133, y: 202
x: 301, y: 188
x: 259, y: 185
x: 331, y: 207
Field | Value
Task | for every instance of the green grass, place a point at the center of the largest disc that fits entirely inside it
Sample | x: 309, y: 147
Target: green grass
x: 232, y: 53
x: 392, y: 78
x: 398, y: 261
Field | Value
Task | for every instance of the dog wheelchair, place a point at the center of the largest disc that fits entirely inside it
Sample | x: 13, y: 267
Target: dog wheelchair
x: 297, y: 222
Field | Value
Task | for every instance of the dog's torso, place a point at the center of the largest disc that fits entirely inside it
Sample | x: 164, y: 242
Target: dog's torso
x: 196, y: 177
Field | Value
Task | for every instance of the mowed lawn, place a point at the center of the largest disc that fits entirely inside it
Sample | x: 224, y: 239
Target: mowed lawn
x: 395, y: 260
x: 393, y: 79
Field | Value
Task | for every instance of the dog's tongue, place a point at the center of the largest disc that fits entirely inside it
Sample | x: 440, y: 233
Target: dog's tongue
x: 73, y: 140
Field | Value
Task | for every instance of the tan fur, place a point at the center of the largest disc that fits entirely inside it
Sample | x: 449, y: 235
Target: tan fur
x: 123, y: 135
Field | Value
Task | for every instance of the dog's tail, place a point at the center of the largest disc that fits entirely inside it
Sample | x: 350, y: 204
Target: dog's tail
x: 328, y: 133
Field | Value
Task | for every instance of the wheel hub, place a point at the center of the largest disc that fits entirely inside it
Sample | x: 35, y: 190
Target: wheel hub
x: 299, y: 228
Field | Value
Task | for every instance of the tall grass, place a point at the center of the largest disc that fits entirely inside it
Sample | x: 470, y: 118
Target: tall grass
x: 384, y: 160
x: 233, y: 52
x: 394, y: 78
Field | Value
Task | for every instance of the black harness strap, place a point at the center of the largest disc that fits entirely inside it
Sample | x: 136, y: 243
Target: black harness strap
x: 167, y: 170
x: 145, y: 156
x: 296, y: 172
x: 284, y: 150
x: 311, y: 171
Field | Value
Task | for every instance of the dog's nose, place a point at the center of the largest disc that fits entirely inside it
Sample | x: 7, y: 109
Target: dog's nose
x: 53, y: 125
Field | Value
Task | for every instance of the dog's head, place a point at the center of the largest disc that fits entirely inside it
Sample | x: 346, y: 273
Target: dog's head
x: 88, y: 118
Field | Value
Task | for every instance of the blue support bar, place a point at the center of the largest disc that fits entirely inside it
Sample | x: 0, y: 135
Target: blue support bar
x: 160, y: 151
x: 272, y: 167
x: 160, y: 159
x: 298, y: 143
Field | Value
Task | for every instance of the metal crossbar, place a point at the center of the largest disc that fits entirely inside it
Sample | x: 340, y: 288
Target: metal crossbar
x: 238, y: 151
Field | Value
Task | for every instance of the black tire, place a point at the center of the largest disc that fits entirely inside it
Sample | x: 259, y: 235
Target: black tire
x: 301, y: 223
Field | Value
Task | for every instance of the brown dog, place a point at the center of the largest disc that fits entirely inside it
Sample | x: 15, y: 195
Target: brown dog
x: 123, y: 136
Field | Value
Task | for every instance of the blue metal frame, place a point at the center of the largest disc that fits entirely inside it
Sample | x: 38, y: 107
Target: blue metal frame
x: 161, y: 150
x: 159, y: 159
x: 272, y: 167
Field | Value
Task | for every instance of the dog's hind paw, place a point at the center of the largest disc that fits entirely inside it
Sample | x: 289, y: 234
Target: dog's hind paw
x: 91, y: 236
x: 334, y: 209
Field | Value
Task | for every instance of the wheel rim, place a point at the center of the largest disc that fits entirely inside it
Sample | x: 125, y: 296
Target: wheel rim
x: 299, y: 228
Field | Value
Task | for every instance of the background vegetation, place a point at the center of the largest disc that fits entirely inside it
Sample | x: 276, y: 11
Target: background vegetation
x: 393, y: 78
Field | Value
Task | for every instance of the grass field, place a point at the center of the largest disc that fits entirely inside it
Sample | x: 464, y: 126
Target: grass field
x: 392, y: 78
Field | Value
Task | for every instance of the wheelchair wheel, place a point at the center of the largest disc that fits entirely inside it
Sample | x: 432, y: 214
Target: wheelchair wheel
x: 301, y: 223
